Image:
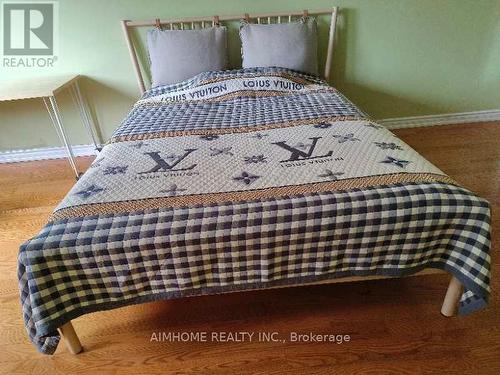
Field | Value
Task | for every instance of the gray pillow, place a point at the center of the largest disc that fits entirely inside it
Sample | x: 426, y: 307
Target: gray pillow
x: 291, y: 45
x: 177, y: 55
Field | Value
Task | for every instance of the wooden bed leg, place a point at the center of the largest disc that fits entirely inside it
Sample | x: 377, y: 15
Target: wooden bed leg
x: 70, y: 337
x: 450, y: 303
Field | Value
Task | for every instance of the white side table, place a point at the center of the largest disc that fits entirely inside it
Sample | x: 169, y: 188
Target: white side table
x: 46, y: 88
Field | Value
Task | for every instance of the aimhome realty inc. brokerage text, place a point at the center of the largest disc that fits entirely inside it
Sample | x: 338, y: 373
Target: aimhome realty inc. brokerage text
x: 248, y: 336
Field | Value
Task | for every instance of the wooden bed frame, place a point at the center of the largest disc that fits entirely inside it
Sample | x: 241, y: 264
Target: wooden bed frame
x: 209, y: 21
x: 454, y: 290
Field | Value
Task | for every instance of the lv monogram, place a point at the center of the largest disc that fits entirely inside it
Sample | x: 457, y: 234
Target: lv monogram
x: 297, y: 154
x: 163, y: 166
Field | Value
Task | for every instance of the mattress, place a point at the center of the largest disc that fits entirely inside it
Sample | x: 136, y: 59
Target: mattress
x: 240, y: 180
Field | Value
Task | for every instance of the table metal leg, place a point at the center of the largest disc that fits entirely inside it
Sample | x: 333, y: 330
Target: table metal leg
x: 52, y: 119
x: 55, y: 117
x: 84, y: 114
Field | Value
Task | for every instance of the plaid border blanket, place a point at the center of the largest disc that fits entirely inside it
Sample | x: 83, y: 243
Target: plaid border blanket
x: 306, y: 188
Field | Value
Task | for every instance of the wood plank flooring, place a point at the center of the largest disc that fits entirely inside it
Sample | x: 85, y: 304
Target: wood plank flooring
x: 394, y: 325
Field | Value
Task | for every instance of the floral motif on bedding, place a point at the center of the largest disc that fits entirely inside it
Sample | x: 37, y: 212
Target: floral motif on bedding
x: 242, y: 180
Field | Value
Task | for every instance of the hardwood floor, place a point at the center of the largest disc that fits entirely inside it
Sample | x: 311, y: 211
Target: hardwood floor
x: 394, y: 325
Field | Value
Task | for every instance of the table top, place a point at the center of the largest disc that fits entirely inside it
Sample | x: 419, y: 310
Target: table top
x: 38, y: 87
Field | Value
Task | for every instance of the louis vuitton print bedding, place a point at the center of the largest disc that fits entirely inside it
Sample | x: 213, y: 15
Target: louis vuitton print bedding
x: 240, y: 180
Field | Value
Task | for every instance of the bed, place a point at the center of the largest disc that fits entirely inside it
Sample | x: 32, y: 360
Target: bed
x: 241, y: 180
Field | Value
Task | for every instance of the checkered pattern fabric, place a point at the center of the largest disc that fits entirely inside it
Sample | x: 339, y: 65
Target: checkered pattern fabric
x: 234, y: 113
x: 79, y: 265
x: 240, y: 111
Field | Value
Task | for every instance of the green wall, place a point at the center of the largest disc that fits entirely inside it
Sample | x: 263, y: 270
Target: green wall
x: 394, y: 58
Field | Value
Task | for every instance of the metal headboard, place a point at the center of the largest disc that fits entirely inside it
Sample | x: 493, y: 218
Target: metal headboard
x: 202, y: 22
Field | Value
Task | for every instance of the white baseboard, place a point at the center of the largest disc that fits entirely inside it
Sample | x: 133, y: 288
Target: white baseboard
x: 44, y: 153
x: 444, y: 119
x: 390, y: 123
